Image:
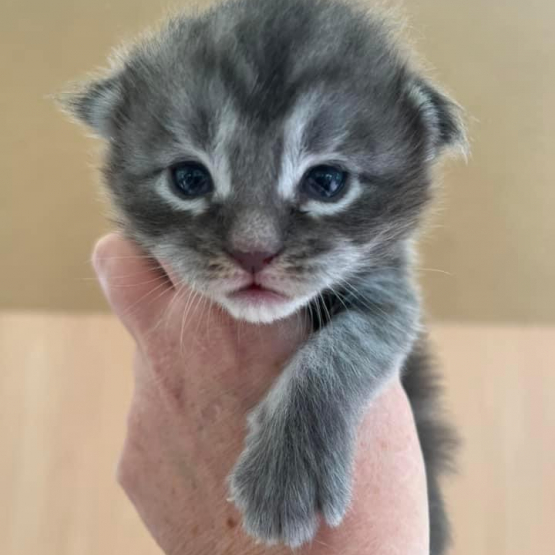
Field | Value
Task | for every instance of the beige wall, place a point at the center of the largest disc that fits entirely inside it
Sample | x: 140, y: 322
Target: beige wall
x: 492, y: 240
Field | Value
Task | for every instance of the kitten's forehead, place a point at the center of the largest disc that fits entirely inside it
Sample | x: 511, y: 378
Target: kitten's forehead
x: 263, y: 64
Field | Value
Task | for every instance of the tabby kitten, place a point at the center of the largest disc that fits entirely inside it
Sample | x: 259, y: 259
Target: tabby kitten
x: 279, y: 153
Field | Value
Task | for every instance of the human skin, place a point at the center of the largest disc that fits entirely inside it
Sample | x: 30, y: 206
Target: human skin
x: 197, y: 375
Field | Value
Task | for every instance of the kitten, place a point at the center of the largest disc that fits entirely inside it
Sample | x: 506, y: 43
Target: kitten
x: 279, y: 154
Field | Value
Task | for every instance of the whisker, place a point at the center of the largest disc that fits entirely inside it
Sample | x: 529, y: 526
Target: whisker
x: 185, y: 316
x: 373, y: 307
x: 319, y: 314
x: 141, y: 283
x: 324, y: 306
x: 166, y: 315
x: 435, y: 270
x: 210, y: 311
x: 126, y: 276
x: 202, y: 307
x: 129, y: 311
x: 134, y: 257
x: 340, y: 297
x: 416, y: 268
x: 199, y: 298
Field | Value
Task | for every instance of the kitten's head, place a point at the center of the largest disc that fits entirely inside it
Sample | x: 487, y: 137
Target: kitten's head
x: 268, y: 150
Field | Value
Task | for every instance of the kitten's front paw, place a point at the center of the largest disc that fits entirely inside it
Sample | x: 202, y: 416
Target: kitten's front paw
x: 288, y: 474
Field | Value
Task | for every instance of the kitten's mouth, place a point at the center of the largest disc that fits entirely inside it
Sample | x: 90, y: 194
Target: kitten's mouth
x: 254, y: 302
x: 258, y: 294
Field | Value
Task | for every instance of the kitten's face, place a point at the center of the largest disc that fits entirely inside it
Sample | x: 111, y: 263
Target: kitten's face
x: 268, y: 151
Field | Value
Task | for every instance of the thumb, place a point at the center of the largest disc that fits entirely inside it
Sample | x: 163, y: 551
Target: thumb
x: 135, y: 284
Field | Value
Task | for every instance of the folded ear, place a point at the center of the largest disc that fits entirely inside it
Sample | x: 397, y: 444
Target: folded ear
x: 94, y: 103
x: 441, y: 117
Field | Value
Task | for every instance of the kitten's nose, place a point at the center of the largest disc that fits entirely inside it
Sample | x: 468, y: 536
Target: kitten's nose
x: 253, y: 261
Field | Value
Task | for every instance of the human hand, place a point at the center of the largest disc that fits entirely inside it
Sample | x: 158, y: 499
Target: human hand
x: 197, y: 374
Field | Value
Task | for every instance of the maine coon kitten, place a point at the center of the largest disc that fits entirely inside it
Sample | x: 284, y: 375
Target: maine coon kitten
x: 279, y: 154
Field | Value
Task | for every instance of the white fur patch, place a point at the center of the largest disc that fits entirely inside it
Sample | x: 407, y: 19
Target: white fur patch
x: 219, y: 158
x: 294, y: 148
x: 165, y: 189
x: 315, y: 208
x: 262, y: 314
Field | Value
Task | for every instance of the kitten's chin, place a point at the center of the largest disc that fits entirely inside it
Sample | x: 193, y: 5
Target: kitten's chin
x: 261, y: 312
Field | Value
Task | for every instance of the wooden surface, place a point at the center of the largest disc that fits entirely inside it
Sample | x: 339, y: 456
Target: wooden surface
x: 65, y: 383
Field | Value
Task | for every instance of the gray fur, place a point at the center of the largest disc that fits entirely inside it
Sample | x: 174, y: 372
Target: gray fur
x: 299, y: 452
x: 221, y: 88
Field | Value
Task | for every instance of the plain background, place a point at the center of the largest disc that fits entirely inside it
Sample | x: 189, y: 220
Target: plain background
x: 488, y: 255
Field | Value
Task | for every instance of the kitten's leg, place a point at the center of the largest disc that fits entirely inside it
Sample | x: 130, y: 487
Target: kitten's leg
x: 300, y: 447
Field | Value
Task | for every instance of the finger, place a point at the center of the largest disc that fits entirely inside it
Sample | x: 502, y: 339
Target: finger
x: 136, y: 286
x: 389, y: 508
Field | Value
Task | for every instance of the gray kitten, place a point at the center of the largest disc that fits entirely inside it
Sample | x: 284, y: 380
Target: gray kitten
x: 279, y: 154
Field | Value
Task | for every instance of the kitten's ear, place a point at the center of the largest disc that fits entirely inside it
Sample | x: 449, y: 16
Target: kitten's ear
x: 441, y: 116
x: 94, y: 103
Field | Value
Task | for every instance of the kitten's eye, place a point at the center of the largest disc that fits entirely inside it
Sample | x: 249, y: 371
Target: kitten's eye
x: 324, y: 182
x: 191, y: 179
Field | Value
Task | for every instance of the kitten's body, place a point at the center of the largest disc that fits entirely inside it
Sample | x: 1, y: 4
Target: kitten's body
x: 259, y: 93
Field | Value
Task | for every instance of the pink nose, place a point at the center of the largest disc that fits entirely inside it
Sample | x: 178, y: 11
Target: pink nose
x: 253, y: 261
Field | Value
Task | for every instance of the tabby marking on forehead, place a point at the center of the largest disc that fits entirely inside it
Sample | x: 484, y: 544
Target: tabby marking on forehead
x: 294, y: 141
x: 227, y: 129
x: 297, y: 157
